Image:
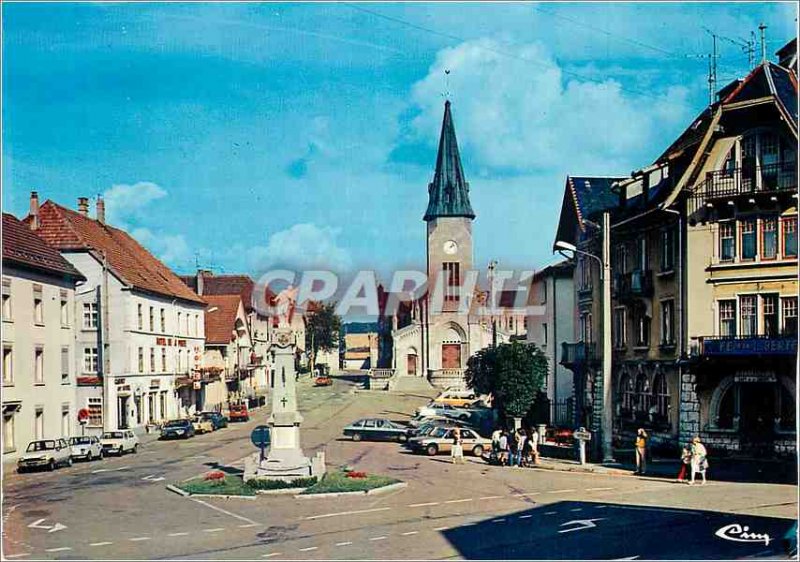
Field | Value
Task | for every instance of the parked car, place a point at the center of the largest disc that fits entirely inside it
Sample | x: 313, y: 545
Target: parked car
x: 437, y: 409
x: 218, y: 420
x: 87, y: 448
x: 375, y: 429
x: 47, y: 453
x: 239, y: 412
x: 178, y: 429
x: 456, y: 398
x: 427, y: 425
x: 202, y: 425
x: 323, y: 380
x: 440, y: 440
x: 119, y: 442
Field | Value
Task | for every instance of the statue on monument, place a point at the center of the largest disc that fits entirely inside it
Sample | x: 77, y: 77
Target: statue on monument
x: 285, y: 303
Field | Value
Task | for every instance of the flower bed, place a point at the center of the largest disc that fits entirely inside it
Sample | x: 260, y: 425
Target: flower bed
x: 349, y: 481
x: 219, y: 483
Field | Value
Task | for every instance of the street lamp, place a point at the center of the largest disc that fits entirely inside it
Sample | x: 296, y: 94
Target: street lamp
x: 605, y: 275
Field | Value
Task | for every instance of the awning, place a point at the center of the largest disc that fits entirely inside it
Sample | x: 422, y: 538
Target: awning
x: 11, y: 407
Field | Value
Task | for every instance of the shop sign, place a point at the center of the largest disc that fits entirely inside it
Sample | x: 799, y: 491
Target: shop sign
x: 755, y: 376
x: 124, y: 388
x: 750, y: 346
x: 119, y: 381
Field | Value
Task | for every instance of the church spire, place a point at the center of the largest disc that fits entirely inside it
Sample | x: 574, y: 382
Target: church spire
x: 448, y: 193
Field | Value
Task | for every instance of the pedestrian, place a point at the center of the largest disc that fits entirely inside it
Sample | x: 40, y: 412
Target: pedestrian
x: 457, y: 449
x: 503, y: 448
x: 496, y: 441
x: 686, y: 459
x: 699, y: 461
x: 641, y: 451
x: 527, y: 451
x: 513, y: 446
x: 521, y: 446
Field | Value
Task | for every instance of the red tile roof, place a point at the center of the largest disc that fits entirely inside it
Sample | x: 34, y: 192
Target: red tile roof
x: 241, y: 285
x: 221, y: 317
x: 67, y: 230
x: 23, y: 248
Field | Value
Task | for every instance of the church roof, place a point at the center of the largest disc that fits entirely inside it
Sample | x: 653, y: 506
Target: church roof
x: 448, y: 193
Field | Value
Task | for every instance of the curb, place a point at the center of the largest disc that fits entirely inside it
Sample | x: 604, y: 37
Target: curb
x: 603, y: 472
x: 177, y: 490
x: 279, y: 491
x: 223, y: 496
x: 389, y: 488
x: 372, y: 492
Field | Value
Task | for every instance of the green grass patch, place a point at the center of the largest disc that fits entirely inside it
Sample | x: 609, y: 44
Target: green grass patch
x: 230, y: 485
x: 281, y: 485
x: 337, y: 481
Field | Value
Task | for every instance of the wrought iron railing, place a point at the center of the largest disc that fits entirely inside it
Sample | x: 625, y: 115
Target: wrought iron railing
x: 637, y: 283
x: 581, y: 353
x: 781, y: 176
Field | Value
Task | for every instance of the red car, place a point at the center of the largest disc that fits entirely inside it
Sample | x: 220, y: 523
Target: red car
x: 323, y: 381
x: 238, y: 412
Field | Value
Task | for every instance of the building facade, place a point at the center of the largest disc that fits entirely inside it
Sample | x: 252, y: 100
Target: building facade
x: 38, y: 340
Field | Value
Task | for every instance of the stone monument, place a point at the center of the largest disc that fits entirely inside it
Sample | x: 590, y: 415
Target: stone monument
x: 285, y: 460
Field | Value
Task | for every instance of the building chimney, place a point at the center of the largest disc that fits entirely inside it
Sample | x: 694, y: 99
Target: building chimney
x: 83, y: 206
x: 34, y: 212
x: 101, y: 210
x: 200, y: 274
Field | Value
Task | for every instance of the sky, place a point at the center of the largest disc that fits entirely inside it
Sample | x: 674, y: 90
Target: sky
x: 247, y: 137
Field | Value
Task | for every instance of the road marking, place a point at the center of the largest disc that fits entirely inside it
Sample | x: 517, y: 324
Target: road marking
x: 637, y: 556
x: 423, y: 504
x: 271, y: 554
x: 153, y: 478
x: 378, y: 538
x: 549, y: 512
x: 664, y: 509
x: 18, y: 555
x: 59, y: 549
x: 138, y: 539
x: 441, y: 528
x: 325, y: 515
x: 583, y: 524
x: 459, y: 501
x: 490, y: 497
x: 577, y: 509
x: 343, y: 543
x: 226, y: 512
x: 600, y: 506
x: 525, y: 516
x: 215, y: 530
x: 308, y: 549
x: 177, y: 534
x: 501, y: 520
x: 99, y: 470
x: 105, y: 543
x: 560, y: 491
x: 524, y: 494
x: 409, y: 533
x: 598, y: 489
x: 247, y: 525
x: 49, y: 528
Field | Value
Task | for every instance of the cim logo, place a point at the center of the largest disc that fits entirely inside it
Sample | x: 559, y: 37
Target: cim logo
x: 738, y: 533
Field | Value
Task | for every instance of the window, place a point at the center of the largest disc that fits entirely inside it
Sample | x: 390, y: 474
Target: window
x: 586, y: 274
x: 140, y: 316
x: 668, y: 322
x: 8, y: 365
x: 6, y: 299
x: 769, y: 315
x: 141, y: 360
x: 668, y: 249
x: 620, y: 259
x: 510, y: 323
x: 38, y: 365
x: 748, y: 228
x: 452, y: 275
x: 196, y: 324
x: 727, y: 241
x: 90, y: 360
x: 586, y: 327
x: 643, y: 396
x: 65, y: 365
x: 163, y: 360
x: 661, y: 394
x: 95, y: 407
x: 65, y: 421
x: 747, y: 310
x: 9, y: 431
x: 642, y: 324
x: 163, y: 404
x: 152, y: 319
x: 544, y: 334
x: 64, y: 309
x: 163, y: 321
x: 628, y: 394
x: 789, y: 305
x: 38, y: 423
x: 727, y: 318
x: 369, y: 423
x: 90, y: 315
x: 769, y: 238
x: 619, y: 327
x: 152, y: 360
x: 641, y: 253
x: 38, y: 305
x: 789, y: 237
x: 178, y: 329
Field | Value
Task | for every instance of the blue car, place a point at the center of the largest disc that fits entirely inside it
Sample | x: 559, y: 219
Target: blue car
x: 177, y: 429
x: 217, y: 420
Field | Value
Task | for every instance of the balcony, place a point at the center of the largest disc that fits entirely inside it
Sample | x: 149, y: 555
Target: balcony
x: 744, y: 346
x: 637, y: 283
x: 768, y: 179
x: 585, y: 292
x: 577, y: 354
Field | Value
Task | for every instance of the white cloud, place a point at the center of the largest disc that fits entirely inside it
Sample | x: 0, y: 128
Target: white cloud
x: 124, y: 201
x: 516, y: 109
x: 302, y: 246
x: 170, y: 248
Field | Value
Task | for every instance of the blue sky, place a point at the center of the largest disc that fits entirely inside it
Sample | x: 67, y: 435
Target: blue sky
x: 265, y: 135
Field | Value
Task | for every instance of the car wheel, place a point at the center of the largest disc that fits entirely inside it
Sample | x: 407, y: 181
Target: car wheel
x: 432, y: 450
x: 356, y: 437
x: 135, y: 449
x: 69, y: 461
x: 51, y: 466
x: 402, y: 438
x: 477, y: 450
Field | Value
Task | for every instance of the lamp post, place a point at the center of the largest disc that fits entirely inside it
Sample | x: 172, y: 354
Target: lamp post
x: 606, y: 420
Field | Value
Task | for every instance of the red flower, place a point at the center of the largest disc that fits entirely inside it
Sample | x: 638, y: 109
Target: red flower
x: 215, y: 475
x: 355, y: 474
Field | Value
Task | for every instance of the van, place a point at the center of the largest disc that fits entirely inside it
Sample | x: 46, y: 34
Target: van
x: 457, y: 398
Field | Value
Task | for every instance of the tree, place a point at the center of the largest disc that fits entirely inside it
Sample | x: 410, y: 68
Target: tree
x: 322, y: 329
x: 514, y: 373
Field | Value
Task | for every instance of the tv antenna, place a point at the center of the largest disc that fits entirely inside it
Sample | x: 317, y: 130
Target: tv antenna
x: 446, y: 93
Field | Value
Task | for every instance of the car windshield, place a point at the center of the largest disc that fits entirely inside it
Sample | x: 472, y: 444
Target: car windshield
x: 207, y: 416
x: 175, y: 423
x: 41, y: 446
x: 80, y: 441
x: 438, y: 432
x: 113, y: 435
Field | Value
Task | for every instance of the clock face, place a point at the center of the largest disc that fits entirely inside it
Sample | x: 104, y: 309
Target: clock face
x: 450, y: 247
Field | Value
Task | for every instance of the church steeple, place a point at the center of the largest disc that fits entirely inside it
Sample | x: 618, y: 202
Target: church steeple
x: 448, y: 193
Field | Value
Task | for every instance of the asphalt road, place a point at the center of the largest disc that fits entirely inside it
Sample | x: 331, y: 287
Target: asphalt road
x: 119, y: 508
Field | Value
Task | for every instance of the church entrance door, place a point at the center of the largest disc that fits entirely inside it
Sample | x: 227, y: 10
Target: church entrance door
x: 451, y: 356
x: 412, y: 364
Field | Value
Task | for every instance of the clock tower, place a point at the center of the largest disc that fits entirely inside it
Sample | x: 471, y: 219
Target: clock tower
x: 449, y: 217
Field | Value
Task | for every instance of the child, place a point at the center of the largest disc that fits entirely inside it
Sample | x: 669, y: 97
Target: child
x: 686, y: 458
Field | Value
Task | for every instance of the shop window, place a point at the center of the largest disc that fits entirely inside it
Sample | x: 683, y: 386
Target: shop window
x: 769, y: 238
x: 769, y: 315
x: 90, y: 315
x: 628, y: 397
x: 789, y: 237
x: 747, y: 311
x: 643, y: 397
x: 95, y: 407
x: 789, y: 305
x: 727, y: 409
x: 727, y: 241
x: 727, y: 318
x: 748, y: 228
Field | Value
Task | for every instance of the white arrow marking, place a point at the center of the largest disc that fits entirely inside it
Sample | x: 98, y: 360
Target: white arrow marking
x: 153, y: 478
x: 628, y: 558
x: 49, y: 528
x: 582, y: 524
x: 99, y: 470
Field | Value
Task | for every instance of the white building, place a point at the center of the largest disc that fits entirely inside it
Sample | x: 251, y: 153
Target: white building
x: 140, y: 330
x: 38, y: 340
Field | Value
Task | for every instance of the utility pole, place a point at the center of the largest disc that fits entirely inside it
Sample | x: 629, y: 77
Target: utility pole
x: 762, y: 29
x: 607, y: 419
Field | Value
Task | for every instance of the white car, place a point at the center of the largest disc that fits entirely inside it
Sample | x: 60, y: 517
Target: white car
x: 87, y: 448
x: 445, y: 410
x: 119, y: 442
x: 47, y: 453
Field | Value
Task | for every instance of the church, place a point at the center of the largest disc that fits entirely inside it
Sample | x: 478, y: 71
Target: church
x: 431, y: 337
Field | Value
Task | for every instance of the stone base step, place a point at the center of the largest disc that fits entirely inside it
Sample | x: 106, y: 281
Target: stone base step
x: 407, y: 383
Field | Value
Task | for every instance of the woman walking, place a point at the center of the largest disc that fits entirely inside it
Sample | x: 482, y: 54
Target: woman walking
x: 641, y: 451
x: 699, y: 462
x: 457, y: 450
